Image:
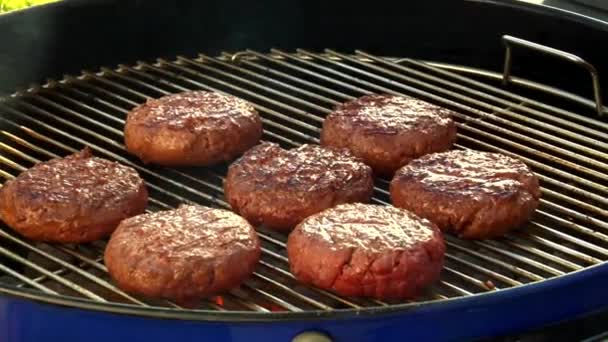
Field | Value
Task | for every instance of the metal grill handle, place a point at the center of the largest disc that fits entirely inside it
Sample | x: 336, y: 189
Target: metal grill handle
x: 510, y: 41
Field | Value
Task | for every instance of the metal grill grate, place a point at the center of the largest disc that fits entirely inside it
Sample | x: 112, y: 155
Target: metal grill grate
x: 293, y: 92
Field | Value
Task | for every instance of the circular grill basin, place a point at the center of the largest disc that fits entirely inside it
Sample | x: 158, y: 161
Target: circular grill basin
x: 560, y: 253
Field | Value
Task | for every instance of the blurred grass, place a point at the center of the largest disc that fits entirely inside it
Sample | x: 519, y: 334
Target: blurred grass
x: 11, y: 5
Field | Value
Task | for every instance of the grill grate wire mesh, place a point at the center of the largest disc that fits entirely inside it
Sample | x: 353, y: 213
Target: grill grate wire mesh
x: 293, y: 92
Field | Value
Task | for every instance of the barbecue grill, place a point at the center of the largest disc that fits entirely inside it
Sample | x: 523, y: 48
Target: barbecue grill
x: 551, y: 270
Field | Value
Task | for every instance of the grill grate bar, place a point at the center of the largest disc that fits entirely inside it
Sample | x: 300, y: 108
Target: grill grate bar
x: 12, y: 164
x: 451, y: 242
x: 272, y: 297
x: 562, y: 249
x: 282, y: 303
x: 25, y: 143
x: 532, y: 162
x: 565, y: 223
x: 68, y: 284
x: 569, y: 238
x: 65, y: 265
x: 111, y: 154
x: 26, y: 280
x: 63, y: 109
x: 524, y: 246
x: 479, y: 284
x: 105, y: 71
x: 573, y: 201
x: 202, y: 58
x: 242, y: 298
x: 68, y: 84
x: 323, y: 292
x: 588, y: 194
x: 17, y: 152
x: 465, y: 278
x: 205, y: 66
x: 548, y: 180
x: 268, y: 70
x: 40, y: 279
x: 291, y: 292
x: 68, y: 267
x: 63, y: 85
x: 518, y: 257
x: 439, y: 99
x: 483, y: 270
x: 445, y: 92
x: 5, y: 175
x: 541, y: 166
x: 189, y: 177
x: 276, y: 114
x: 537, y: 164
x: 71, y: 267
x: 292, y: 105
x: 309, y: 72
x: 569, y: 115
x: 99, y: 266
x: 142, y: 65
x: 456, y: 289
x: 71, y: 83
x: 180, y: 88
x: 572, y: 126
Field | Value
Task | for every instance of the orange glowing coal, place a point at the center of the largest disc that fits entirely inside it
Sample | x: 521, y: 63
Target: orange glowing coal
x: 275, y: 308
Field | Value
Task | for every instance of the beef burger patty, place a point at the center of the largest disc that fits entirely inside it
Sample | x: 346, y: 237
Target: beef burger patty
x: 367, y: 250
x: 279, y: 188
x: 184, y: 254
x: 474, y: 194
x: 195, y: 128
x: 75, y: 199
x: 387, y: 131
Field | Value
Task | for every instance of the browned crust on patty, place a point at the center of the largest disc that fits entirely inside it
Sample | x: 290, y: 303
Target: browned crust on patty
x: 474, y: 194
x: 184, y: 254
x: 387, y: 131
x: 279, y: 188
x: 367, y: 250
x: 194, y: 128
x: 79, y: 198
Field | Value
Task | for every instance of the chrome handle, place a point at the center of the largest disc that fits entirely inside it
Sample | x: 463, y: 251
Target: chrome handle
x: 510, y: 41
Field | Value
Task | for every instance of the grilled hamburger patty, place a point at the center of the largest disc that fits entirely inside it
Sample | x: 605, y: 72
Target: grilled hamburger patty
x: 387, y: 131
x: 79, y: 198
x: 477, y: 195
x: 184, y: 254
x: 279, y: 188
x: 195, y: 128
x: 367, y: 250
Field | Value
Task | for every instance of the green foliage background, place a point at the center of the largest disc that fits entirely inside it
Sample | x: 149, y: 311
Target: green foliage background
x: 10, y: 5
